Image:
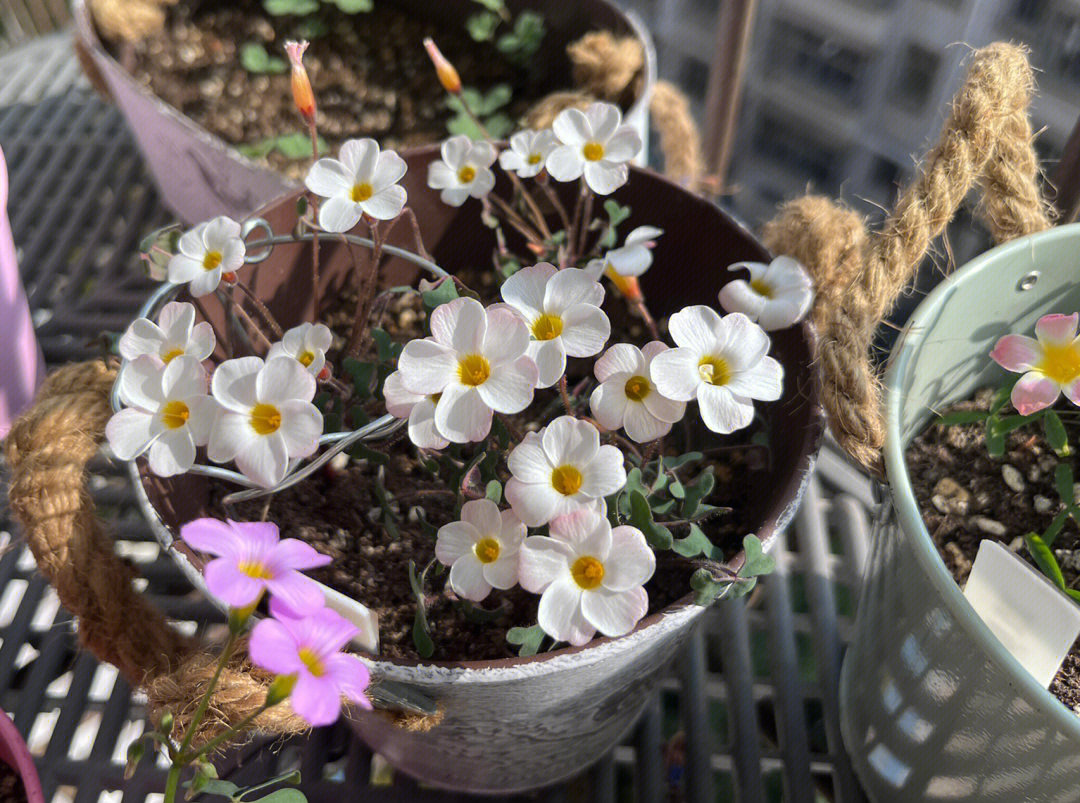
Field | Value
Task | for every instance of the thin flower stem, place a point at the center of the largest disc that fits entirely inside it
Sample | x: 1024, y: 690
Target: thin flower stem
x: 553, y: 196
x: 204, y: 703
x: 172, y: 782
x: 239, y: 727
x: 650, y: 322
x: 585, y: 221
x: 515, y: 433
x: 316, y: 284
x: 567, y: 403
x: 410, y: 215
x: 572, y: 235
x: 225, y: 339
x: 514, y: 219
x: 242, y: 313
x: 365, y: 297
x: 264, y: 312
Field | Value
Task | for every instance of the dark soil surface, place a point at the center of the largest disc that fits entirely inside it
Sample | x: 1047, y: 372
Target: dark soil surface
x: 369, y: 71
x: 11, y: 786
x: 965, y: 496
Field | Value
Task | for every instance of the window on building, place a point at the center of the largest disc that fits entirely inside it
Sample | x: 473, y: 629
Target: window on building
x: 885, y: 172
x: 816, y: 58
x: 788, y: 145
x: 914, y: 82
x: 1030, y: 11
x: 694, y: 77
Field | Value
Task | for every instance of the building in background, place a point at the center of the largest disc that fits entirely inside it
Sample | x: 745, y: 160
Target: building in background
x: 842, y: 95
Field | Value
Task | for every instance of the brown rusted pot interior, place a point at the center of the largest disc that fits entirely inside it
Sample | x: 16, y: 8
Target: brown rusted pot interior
x: 690, y: 267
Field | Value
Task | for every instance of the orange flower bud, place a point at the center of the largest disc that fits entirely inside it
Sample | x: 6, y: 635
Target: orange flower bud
x: 302, y: 94
x: 448, y: 76
x: 627, y: 285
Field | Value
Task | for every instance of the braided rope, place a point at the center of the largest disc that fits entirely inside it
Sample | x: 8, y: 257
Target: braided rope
x: 859, y: 274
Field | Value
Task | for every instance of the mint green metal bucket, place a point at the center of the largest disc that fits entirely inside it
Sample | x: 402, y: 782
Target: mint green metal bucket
x: 932, y: 705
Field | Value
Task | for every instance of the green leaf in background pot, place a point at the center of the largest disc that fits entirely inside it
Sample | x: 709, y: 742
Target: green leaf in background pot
x: 444, y: 290
x: 641, y: 517
x: 1044, y: 558
x: 694, y: 544
x: 1055, y: 433
x: 757, y: 562
x: 354, y: 6
x: 962, y: 417
x: 1063, y: 482
x: 481, y: 27
x: 281, y: 796
x: 255, y: 59
x: 527, y: 638
x: 300, y: 8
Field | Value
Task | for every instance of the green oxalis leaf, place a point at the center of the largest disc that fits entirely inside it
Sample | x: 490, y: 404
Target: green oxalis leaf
x: 439, y: 293
x: 1045, y: 559
x: 421, y: 629
x: 298, y: 7
x: 481, y: 27
x: 255, y: 59
x: 708, y: 588
x: 528, y: 639
x: 757, y: 562
x: 641, y: 516
x: 495, y: 6
x: 354, y: 6
x: 526, y: 38
x: 291, y: 146
x: 1055, y: 433
x: 1063, y: 482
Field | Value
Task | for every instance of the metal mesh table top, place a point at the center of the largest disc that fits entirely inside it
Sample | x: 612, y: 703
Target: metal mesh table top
x: 748, y: 711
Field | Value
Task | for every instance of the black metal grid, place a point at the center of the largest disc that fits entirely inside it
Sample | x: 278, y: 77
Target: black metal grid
x: 748, y: 712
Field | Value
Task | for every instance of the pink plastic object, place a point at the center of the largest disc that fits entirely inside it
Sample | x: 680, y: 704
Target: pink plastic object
x: 21, y: 365
x: 13, y: 750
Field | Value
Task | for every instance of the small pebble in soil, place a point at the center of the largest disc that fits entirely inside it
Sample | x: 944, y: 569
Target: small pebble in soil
x: 1013, y: 478
x: 1068, y: 558
x: 963, y: 565
x: 990, y: 526
x: 951, y: 497
x: 1016, y: 544
x: 1042, y: 504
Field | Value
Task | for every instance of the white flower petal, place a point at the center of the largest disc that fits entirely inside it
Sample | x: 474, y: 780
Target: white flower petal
x: 387, y: 203
x: 140, y: 382
x: 399, y: 400
x: 663, y: 408
x: 631, y: 562
x: 604, y: 178
x: 201, y: 342
x: 585, y: 330
x: 604, y: 119
x: 608, y: 404
x: 565, y: 163
x: 142, y: 337
x: 535, y: 504
x: 131, y: 431
x: 360, y: 157
x: 460, y: 324
x: 550, y: 359
x: 231, y: 434
x: 205, y: 283
x: 507, y: 337
x: 630, y: 261
x: 570, y: 287
x: 738, y: 296
x: 422, y: 430
x: 389, y: 170
x: 461, y: 416
x: 426, y: 367
x: 605, y: 474
x: 529, y: 462
x: 483, y: 515
x: 191, y: 243
x: 503, y: 573
x: 454, y: 540
x: 572, y: 127
x: 696, y: 327
x: 171, y: 454
x: 441, y: 176
x: 742, y: 342
x: 623, y: 360
x: 764, y: 381
x: 467, y: 579
x: 339, y: 214
x: 675, y: 374
x: 509, y: 389
x: 785, y: 311
x: 623, y: 146
x: 219, y: 232
x: 182, y: 378
x: 204, y: 413
x: 524, y: 290
x: 183, y: 268
x: 301, y: 426
x: 559, y: 613
x: 176, y: 320
x: 614, y: 613
x: 569, y: 440
x: 264, y: 460
x: 454, y: 196
x: 642, y: 426
x: 543, y: 561
x: 585, y: 531
x: 282, y: 379
x: 722, y: 411
x: 329, y: 178
x: 455, y: 149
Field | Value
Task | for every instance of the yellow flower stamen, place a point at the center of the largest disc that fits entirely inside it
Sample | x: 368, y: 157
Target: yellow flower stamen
x: 535, y: 158
x: 255, y: 570
x: 547, y: 327
x: 587, y: 572
x: 473, y: 370
x: 593, y: 151
x: 466, y: 174
x: 306, y: 358
x: 487, y: 550
x: 212, y: 260
x: 175, y: 414
x: 714, y: 370
x: 762, y: 288
x: 637, y: 388
x: 361, y: 192
x: 312, y: 661
x: 265, y: 419
x: 171, y: 355
x: 1060, y: 363
x: 567, y: 480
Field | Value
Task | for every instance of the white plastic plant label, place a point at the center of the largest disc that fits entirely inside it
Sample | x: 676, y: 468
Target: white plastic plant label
x: 1032, y: 619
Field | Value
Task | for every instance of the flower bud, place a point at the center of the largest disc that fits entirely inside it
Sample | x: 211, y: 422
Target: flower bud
x: 136, y: 750
x: 448, y: 76
x: 229, y: 277
x: 280, y: 689
x: 627, y: 285
x: 303, y: 96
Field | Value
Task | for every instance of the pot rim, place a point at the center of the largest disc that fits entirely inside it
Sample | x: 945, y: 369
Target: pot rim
x: 13, y: 747
x: 900, y: 489
x: 781, y: 514
x: 87, y: 32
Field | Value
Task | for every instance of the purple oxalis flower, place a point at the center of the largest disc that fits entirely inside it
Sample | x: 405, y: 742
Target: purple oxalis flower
x: 252, y: 558
x: 309, y: 649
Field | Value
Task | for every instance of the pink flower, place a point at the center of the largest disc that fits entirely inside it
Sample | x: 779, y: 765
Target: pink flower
x: 251, y: 560
x: 1050, y: 363
x: 309, y: 650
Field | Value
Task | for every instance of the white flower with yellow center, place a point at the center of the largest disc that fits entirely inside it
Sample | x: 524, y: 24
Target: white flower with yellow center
x: 777, y: 295
x: 562, y: 310
x: 1049, y: 362
x: 528, y: 152
x: 596, y: 145
x: 722, y: 362
x: 420, y: 410
x: 267, y: 417
x: 464, y: 170
x: 481, y: 549
x: 361, y: 181
x: 168, y: 413
x: 475, y: 363
x: 590, y: 577
x: 632, y: 258
x: 307, y: 344
x: 561, y: 469
x: 627, y: 399
x: 174, y: 335
x: 208, y: 252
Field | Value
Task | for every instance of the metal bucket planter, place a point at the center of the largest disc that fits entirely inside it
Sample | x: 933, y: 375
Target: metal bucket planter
x: 199, y: 175
x: 516, y: 724
x: 932, y: 705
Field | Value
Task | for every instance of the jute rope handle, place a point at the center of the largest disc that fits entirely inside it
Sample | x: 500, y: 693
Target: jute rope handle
x: 48, y: 450
x: 987, y: 141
